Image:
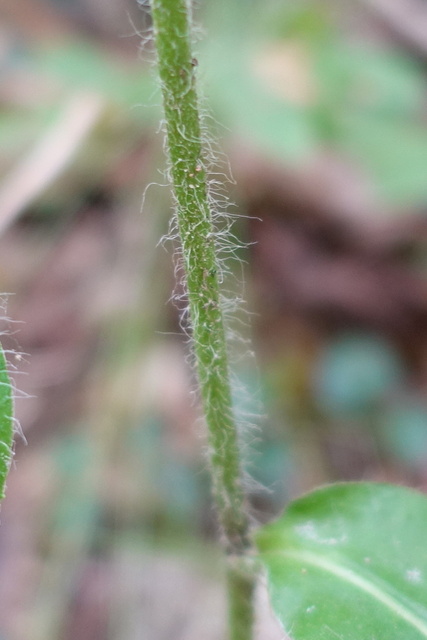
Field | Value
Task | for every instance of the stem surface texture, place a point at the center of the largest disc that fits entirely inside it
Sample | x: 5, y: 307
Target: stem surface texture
x: 188, y: 176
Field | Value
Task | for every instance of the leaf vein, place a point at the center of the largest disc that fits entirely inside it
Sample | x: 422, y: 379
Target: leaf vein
x: 349, y: 575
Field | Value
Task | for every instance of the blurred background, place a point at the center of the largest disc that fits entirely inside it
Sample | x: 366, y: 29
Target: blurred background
x: 107, y: 531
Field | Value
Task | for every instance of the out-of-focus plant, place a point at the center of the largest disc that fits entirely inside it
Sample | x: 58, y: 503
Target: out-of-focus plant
x: 296, y: 85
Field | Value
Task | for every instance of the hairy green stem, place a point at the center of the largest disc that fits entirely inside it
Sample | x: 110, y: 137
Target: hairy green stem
x: 188, y: 176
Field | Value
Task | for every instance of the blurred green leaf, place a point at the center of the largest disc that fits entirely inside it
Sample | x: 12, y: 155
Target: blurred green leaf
x: 21, y: 127
x: 77, y: 509
x: 271, y: 469
x: 366, y: 102
x: 354, y: 373
x: 307, y: 19
x: 78, y: 65
x: 393, y: 152
x: 173, y: 487
x: 348, y: 561
x: 249, y: 108
x: 403, y: 430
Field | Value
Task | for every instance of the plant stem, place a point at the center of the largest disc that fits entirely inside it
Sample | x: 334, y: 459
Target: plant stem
x: 188, y: 176
x: 6, y: 423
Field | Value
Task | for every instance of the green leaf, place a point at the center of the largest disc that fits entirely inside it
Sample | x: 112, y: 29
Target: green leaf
x: 355, y: 372
x: 244, y: 103
x: 6, y: 423
x: 392, y: 150
x: 79, y: 65
x: 348, y: 561
x: 403, y: 431
x: 365, y: 102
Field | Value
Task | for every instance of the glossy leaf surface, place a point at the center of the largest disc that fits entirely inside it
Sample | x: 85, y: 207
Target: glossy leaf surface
x: 349, y: 561
x: 6, y: 423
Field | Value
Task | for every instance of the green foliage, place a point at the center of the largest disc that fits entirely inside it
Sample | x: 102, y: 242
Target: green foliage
x: 403, y: 431
x: 287, y: 80
x: 252, y: 109
x: 348, y: 561
x: 355, y: 373
x: 80, y: 65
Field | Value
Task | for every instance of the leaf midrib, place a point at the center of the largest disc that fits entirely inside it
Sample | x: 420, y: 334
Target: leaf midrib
x: 349, y: 575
